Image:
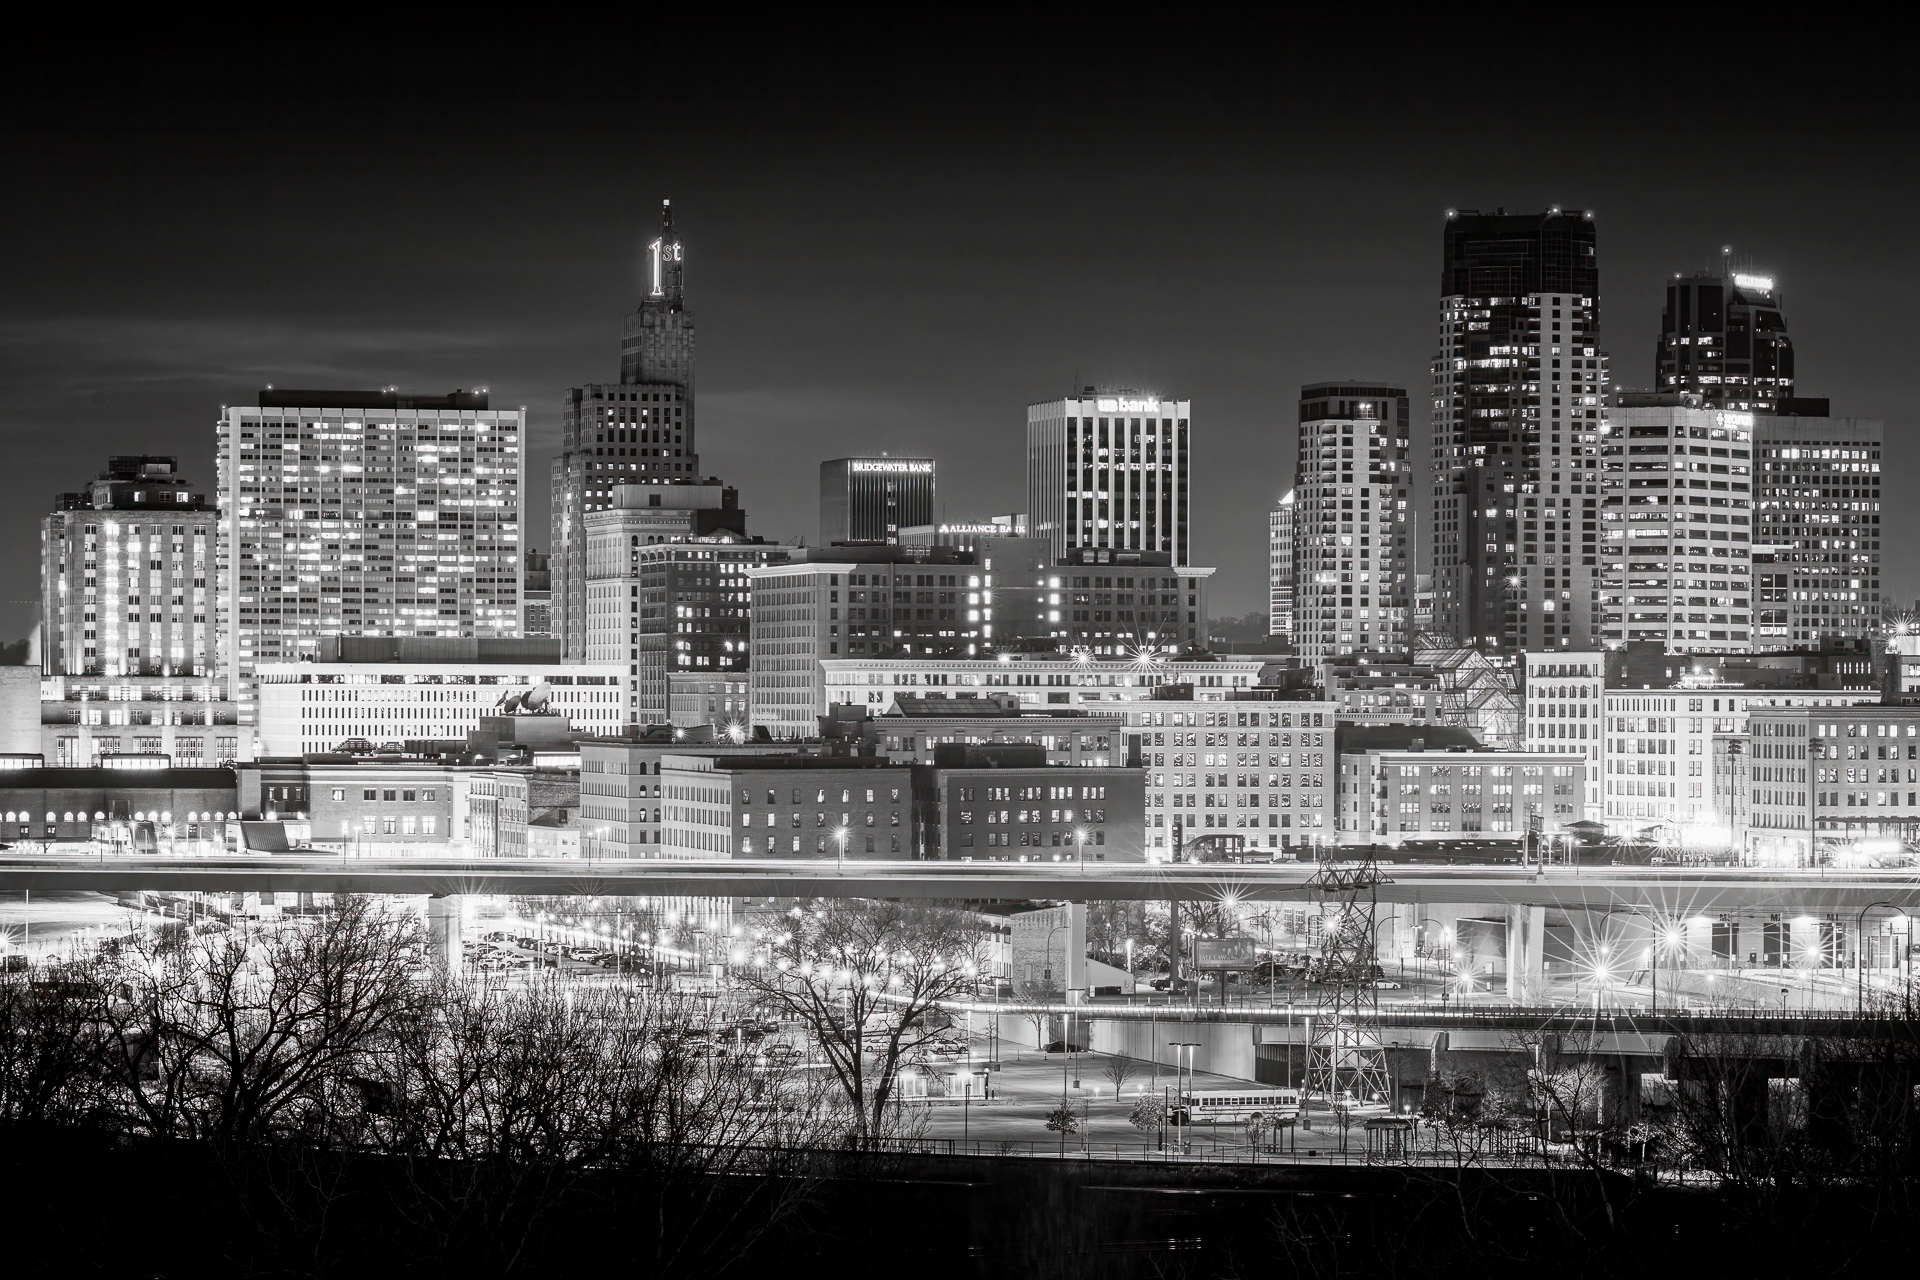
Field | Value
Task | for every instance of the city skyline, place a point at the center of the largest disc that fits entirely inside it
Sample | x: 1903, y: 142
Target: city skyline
x: 854, y: 300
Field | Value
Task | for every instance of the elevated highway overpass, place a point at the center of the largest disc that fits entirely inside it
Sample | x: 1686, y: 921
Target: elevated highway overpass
x: 1672, y: 891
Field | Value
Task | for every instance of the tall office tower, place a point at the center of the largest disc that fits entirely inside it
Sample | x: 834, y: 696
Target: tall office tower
x: 1109, y: 469
x: 365, y: 513
x: 126, y: 571
x: 1817, y: 517
x: 1280, y: 567
x: 872, y: 499
x: 639, y: 429
x: 1517, y: 422
x: 1352, y: 482
x: 1724, y: 338
x: 1676, y: 557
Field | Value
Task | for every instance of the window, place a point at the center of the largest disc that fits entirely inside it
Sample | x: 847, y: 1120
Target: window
x: 369, y: 794
x: 339, y: 793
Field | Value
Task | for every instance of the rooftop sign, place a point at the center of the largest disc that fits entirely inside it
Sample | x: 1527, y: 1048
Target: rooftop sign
x: 888, y: 466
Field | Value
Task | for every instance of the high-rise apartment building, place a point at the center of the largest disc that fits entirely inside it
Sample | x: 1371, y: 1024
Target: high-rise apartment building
x: 366, y: 513
x: 1816, y: 527
x: 1280, y: 567
x: 1723, y: 338
x: 1352, y: 485
x: 1677, y: 548
x: 872, y: 499
x: 1109, y: 469
x: 127, y: 581
x: 1517, y: 420
x: 639, y: 429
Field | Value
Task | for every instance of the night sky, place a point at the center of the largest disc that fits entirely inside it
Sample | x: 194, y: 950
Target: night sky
x: 899, y: 238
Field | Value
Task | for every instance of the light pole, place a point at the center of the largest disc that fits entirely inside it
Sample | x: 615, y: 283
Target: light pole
x: 1860, y: 947
x: 1080, y: 839
x: 1066, y: 1025
x: 1184, y: 1093
x: 840, y: 839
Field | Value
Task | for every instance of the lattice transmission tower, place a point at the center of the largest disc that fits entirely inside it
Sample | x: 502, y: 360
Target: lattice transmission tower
x: 1345, y: 1056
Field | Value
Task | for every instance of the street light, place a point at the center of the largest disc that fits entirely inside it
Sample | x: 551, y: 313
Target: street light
x: 1182, y: 1093
x: 840, y: 838
x: 1860, y: 945
x: 1080, y: 839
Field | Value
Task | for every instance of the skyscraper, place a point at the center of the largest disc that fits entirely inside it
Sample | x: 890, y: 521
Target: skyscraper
x: 1352, y: 483
x: 872, y: 499
x: 641, y: 428
x: 127, y: 582
x: 1817, y: 527
x: 1280, y: 567
x: 1723, y: 338
x: 366, y: 513
x: 1109, y: 469
x: 1517, y: 422
x: 1677, y: 544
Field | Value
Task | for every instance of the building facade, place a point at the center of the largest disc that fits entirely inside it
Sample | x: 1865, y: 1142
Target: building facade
x: 128, y: 580
x: 1518, y: 416
x: 425, y: 691
x: 1280, y: 567
x: 1037, y: 682
x: 1677, y: 515
x: 1833, y: 785
x: 622, y: 808
x: 1260, y: 775
x: 873, y: 499
x: 1724, y: 339
x: 985, y: 803
x: 1350, y: 569
x: 1110, y: 470
x: 1817, y: 524
x: 641, y: 428
x: 365, y: 513
x: 1402, y: 796
x: 945, y: 602
x: 785, y: 806
x: 1565, y: 700
x: 536, y: 596
x: 1661, y: 748
x: 658, y: 608
x: 188, y: 718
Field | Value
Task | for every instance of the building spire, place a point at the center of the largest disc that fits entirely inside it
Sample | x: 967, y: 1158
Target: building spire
x: 665, y: 263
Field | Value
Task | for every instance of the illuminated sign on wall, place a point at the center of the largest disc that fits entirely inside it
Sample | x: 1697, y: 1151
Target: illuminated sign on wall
x: 889, y: 467
x: 1124, y: 404
x: 1763, y: 284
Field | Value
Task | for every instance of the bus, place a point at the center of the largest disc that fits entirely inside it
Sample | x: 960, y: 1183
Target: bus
x: 1214, y: 1105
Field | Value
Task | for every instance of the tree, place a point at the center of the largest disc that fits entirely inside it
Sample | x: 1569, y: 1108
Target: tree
x: 864, y: 978
x: 249, y: 1036
x: 1063, y: 1120
x: 1148, y: 1112
x: 1036, y: 992
x: 1119, y: 1069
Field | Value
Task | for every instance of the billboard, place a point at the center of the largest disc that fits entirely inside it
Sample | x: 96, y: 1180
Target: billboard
x: 1213, y: 955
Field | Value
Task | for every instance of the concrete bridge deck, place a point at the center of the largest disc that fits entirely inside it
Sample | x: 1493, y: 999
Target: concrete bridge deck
x: 1672, y: 891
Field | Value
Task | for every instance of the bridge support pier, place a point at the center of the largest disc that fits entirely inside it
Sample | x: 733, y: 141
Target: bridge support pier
x: 1076, y: 975
x: 1526, y: 953
x: 443, y: 932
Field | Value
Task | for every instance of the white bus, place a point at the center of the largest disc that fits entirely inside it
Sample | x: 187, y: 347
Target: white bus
x: 1214, y: 1105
